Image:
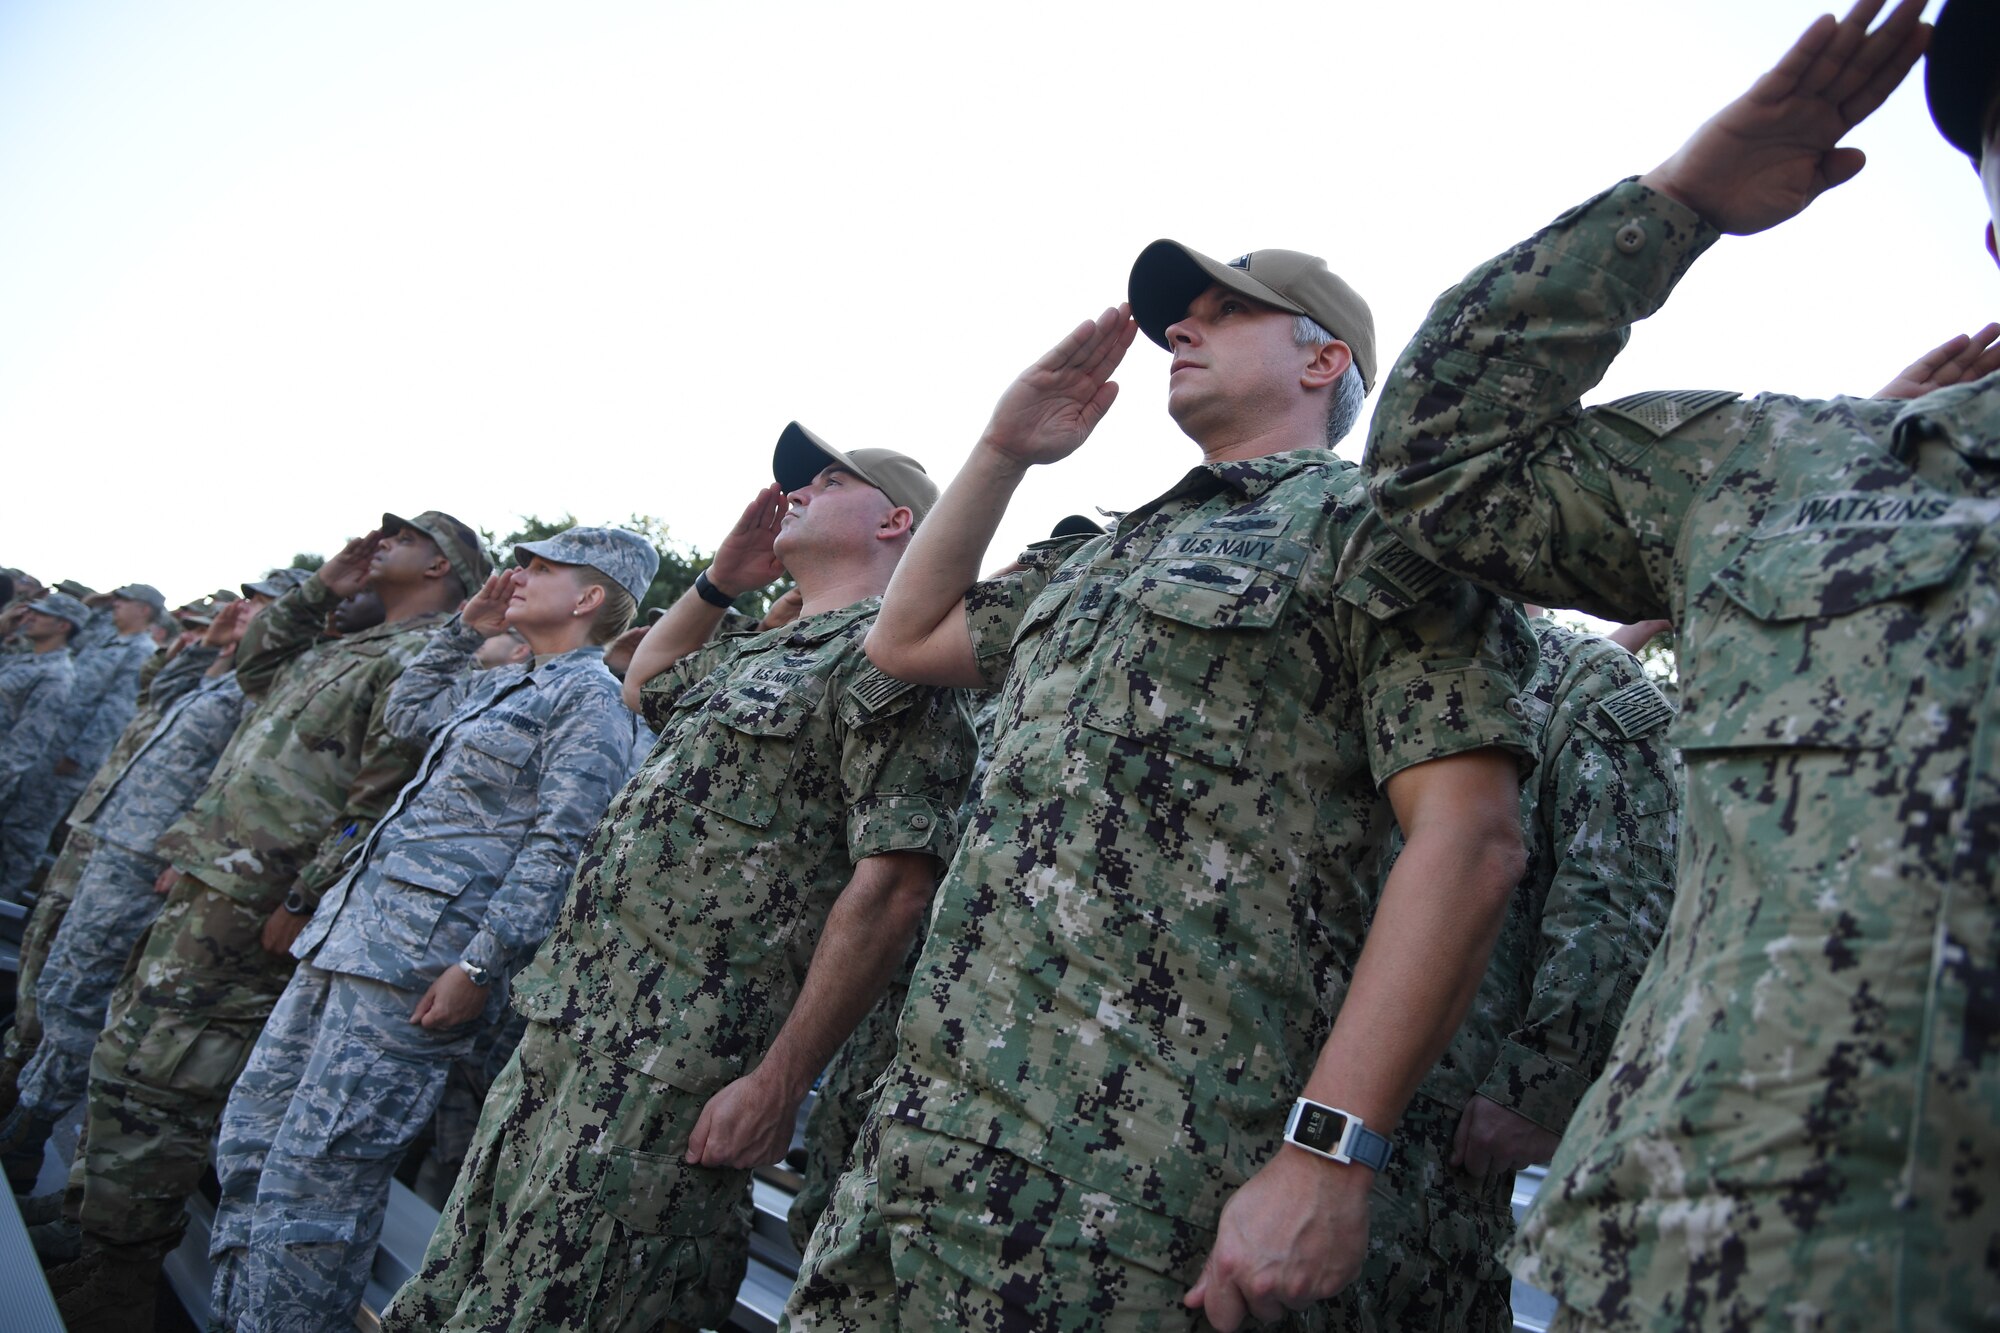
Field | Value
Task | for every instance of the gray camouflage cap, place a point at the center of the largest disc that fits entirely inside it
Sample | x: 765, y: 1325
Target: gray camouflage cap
x: 458, y: 542
x: 63, y: 607
x: 142, y: 592
x: 625, y: 558
x: 277, y: 583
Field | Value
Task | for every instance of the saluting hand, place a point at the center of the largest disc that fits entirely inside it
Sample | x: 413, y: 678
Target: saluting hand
x: 226, y: 630
x: 1767, y: 155
x: 745, y: 559
x: 347, y: 573
x: 1051, y: 408
x: 486, y: 610
x: 1953, y: 361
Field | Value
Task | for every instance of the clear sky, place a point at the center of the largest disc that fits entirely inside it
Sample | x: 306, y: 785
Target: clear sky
x: 268, y: 270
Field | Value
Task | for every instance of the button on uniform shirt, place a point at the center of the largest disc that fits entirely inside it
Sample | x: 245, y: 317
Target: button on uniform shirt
x: 1800, y: 1122
x: 472, y: 859
x: 32, y: 689
x: 314, y: 766
x: 1182, y: 824
x: 784, y: 758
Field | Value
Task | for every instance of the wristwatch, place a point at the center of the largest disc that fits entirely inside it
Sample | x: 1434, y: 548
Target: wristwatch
x: 480, y: 976
x: 1335, y: 1135
x: 705, y: 589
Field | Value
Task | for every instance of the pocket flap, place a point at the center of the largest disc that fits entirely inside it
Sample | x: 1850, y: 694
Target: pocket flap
x: 503, y: 743
x: 764, y: 708
x: 317, y: 1229
x: 406, y: 866
x: 1208, y: 595
x: 1834, y: 571
x: 660, y: 1194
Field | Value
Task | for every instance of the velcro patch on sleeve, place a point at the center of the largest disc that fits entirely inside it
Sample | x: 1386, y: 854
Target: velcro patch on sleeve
x: 875, y: 691
x: 1636, y: 709
x: 1665, y: 411
x: 1410, y: 573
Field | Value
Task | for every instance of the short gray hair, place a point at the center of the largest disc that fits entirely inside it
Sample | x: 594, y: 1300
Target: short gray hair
x: 1349, y: 393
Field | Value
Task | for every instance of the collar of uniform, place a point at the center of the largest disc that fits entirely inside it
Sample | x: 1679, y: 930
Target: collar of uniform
x: 1250, y: 476
x: 389, y: 629
x: 547, y: 665
x: 820, y: 627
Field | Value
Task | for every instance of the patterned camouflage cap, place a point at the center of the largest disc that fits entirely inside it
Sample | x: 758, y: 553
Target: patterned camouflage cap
x: 1961, y: 69
x: 459, y: 543
x: 625, y: 558
x: 63, y: 607
x: 1167, y: 277
x: 71, y: 588
x: 278, y: 582
x: 142, y: 592
x: 802, y: 455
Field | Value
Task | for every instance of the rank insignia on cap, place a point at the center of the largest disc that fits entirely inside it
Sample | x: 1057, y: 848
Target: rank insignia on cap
x: 1242, y: 262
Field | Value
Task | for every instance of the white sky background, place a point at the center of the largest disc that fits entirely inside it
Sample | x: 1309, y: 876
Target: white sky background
x: 268, y: 270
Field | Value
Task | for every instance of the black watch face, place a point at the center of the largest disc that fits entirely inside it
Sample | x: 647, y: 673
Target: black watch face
x: 1320, y: 1127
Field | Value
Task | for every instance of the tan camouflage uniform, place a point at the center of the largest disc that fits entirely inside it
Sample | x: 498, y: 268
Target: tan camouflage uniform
x: 784, y: 759
x: 1799, y: 1127
x: 1600, y: 818
x: 1172, y: 861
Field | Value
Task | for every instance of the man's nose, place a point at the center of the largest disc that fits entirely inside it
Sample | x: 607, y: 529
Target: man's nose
x: 1181, y: 333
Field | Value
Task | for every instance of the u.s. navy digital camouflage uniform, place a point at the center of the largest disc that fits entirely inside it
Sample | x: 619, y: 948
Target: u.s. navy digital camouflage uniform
x: 124, y: 813
x: 102, y: 698
x: 1800, y: 1122
x: 784, y: 759
x: 470, y: 862
x: 33, y: 690
x: 1600, y: 818
x: 848, y: 1088
x: 305, y: 776
x: 1176, y: 849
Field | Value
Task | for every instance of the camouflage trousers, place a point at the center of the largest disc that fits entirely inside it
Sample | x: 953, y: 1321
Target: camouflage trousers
x: 929, y: 1232
x: 114, y: 904
x: 845, y: 1094
x: 465, y: 1089
x: 575, y: 1210
x: 337, y: 1087
x: 37, y: 938
x: 1434, y: 1237
x: 181, y: 1026
x: 29, y: 821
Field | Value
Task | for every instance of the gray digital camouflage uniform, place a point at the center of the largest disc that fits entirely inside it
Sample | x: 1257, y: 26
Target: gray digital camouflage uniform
x: 103, y: 697
x: 784, y: 759
x: 1799, y: 1124
x: 1172, y: 860
x: 33, y: 688
x: 470, y: 862
x: 113, y: 901
x: 303, y: 779
x: 1600, y: 817
x: 58, y: 889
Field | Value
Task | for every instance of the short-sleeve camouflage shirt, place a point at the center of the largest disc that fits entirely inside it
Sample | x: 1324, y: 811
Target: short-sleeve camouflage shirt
x: 784, y: 758
x: 1181, y: 829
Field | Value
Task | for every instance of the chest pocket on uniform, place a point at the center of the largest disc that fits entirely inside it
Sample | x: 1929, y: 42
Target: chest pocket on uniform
x: 322, y: 712
x: 1820, y: 638
x: 745, y: 749
x: 1192, y: 672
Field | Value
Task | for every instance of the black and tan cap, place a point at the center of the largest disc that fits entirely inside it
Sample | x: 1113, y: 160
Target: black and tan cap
x: 802, y: 455
x: 1961, y: 70
x: 1167, y: 277
x: 460, y: 544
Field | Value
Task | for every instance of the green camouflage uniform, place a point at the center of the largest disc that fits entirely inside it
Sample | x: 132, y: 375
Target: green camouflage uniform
x: 1800, y: 1122
x: 1600, y: 818
x: 306, y: 774
x: 784, y: 759
x: 1172, y: 860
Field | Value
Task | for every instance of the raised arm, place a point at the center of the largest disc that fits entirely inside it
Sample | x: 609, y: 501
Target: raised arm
x: 1050, y: 410
x: 743, y: 562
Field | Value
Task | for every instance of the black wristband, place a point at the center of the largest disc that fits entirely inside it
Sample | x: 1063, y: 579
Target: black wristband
x: 711, y: 594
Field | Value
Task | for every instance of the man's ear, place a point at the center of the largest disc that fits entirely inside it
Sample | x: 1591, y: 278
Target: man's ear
x: 1329, y: 362
x: 899, y: 521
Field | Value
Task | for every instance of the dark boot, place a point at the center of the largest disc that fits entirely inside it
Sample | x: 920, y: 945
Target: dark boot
x: 56, y: 1243
x: 105, y: 1292
x: 10, y: 1084
x: 23, y: 1135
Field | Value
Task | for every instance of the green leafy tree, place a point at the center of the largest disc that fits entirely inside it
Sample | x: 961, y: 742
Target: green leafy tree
x: 679, y: 561
x: 304, y: 560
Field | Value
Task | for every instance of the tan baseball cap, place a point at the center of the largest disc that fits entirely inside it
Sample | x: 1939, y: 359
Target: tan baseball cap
x: 1167, y: 277
x: 802, y: 455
